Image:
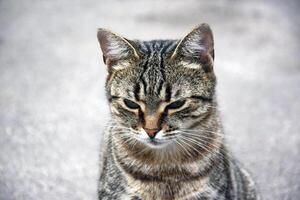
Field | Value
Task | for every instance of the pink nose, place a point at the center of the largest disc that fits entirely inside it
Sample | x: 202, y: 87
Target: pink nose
x: 151, y: 132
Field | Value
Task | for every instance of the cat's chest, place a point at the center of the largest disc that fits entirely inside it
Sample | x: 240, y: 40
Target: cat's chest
x: 148, y: 190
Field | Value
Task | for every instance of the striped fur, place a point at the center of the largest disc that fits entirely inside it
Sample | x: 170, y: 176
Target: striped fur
x: 168, y: 86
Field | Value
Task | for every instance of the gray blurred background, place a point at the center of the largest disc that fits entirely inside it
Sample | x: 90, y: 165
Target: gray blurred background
x: 52, y: 103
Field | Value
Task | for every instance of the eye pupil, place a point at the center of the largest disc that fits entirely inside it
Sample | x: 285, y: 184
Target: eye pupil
x: 176, y: 104
x: 130, y: 104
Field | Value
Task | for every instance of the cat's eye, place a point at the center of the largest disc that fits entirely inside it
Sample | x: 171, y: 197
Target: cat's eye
x: 176, y: 104
x: 130, y: 104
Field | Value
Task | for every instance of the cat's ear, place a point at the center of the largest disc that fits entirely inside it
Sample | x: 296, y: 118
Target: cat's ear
x: 197, y: 45
x: 115, y: 48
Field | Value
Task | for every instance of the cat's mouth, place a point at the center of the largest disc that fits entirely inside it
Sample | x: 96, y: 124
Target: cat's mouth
x: 156, y: 143
x: 159, y: 141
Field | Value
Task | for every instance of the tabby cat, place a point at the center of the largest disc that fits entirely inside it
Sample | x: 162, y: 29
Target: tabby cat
x: 165, y: 139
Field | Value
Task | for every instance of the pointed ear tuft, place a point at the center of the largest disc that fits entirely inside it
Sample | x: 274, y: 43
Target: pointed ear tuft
x: 115, y: 48
x: 198, y: 44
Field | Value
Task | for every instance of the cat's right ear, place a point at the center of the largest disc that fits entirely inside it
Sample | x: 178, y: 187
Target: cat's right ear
x: 197, y: 46
x: 115, y: 48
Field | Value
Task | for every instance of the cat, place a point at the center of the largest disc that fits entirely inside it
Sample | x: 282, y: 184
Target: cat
x: 165, y: 139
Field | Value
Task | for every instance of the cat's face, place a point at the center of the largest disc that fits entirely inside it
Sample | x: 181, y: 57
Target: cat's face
x: 159, y: 89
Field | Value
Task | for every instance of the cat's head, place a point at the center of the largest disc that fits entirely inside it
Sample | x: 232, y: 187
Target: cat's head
x: 159, y: 89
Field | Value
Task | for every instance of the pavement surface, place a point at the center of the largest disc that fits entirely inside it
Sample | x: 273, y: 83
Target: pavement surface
x: 52, y: 103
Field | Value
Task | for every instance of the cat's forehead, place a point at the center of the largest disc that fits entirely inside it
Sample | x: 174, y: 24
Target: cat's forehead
x: 154, y: 78
x: 152, y: 82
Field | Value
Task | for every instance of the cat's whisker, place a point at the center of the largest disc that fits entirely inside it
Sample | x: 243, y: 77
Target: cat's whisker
x: 201, y: 135
x: 219, y: 150
x: 185, y: 142
x: 201, y: 138
x: 203, y: 131
x: 196, y: 149
x: 182, y: 147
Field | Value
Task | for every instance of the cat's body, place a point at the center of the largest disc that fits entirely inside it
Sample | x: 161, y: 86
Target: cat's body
x: 165, y: 140
x: 220, y: 181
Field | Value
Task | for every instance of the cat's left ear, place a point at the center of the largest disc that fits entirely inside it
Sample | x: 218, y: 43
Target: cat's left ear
x: 115, y: 48
x: 198, y: 45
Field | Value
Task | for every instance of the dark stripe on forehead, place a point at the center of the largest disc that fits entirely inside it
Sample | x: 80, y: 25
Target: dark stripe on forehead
x: 142, y: 76
x: 160, y: 85
x: 162, y: 66
x: 168, y: 92
x: 137, y: 89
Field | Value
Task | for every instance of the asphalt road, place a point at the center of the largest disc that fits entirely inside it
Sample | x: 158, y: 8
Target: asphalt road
x: 52, y: 105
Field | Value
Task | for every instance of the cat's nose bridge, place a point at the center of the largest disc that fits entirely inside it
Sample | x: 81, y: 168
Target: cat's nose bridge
x: 151, y: 121
x: 151, y: 125
x: 153, y: 116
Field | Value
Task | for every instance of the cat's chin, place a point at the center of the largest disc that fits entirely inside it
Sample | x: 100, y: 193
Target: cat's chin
x: 155, y: 143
